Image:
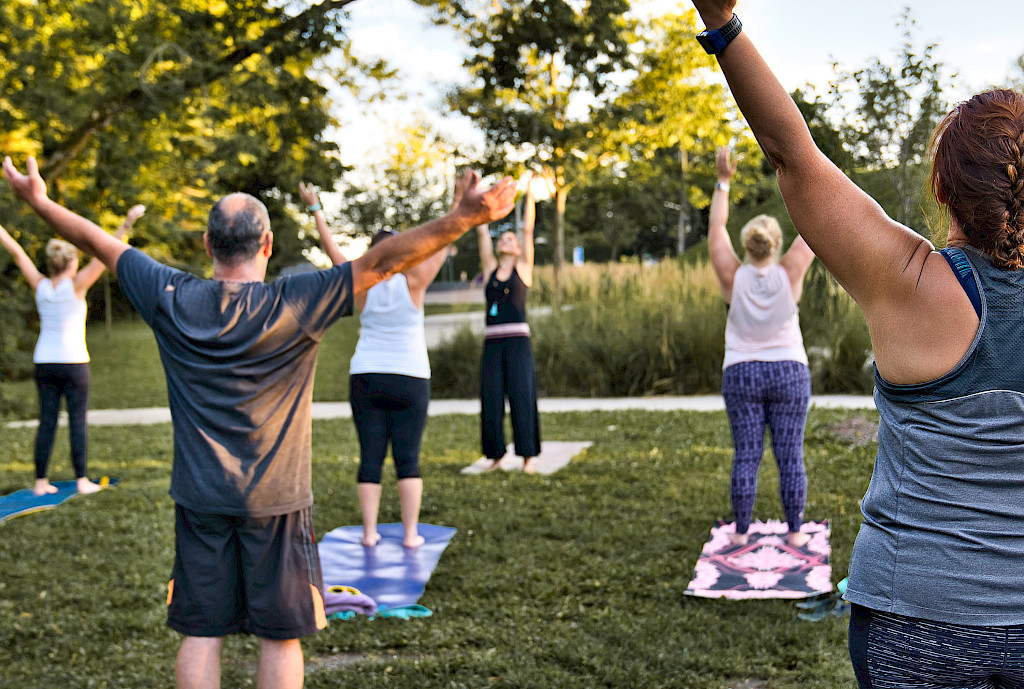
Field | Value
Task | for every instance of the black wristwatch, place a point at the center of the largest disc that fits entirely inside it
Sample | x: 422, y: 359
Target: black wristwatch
x: 715, y: 41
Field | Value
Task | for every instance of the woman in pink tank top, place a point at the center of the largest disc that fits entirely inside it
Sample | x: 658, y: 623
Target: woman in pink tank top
x: 765, y: 381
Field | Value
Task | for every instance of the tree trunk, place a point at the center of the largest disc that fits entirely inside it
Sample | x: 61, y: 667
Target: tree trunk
x: 559, y: 232
x: 684, y: 203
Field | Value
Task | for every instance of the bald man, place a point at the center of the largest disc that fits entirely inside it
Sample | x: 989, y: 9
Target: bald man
x: 239, y: 357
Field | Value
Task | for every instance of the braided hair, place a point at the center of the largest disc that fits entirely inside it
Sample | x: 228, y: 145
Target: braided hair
x: 978, y: 173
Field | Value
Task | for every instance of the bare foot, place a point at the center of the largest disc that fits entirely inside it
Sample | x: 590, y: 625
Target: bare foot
x: 85, y: 486
x: 495, y: 464
x: 739, y: 538
x: 370, y: 541
x: 43, y: 487
x: 798, y: 539
x: 528, y: 466
x: 415, y: 542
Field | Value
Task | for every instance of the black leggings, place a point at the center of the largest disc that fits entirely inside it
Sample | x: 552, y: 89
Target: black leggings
x: 507, y: 368
x: 54, y: 381
x: 389, y: 407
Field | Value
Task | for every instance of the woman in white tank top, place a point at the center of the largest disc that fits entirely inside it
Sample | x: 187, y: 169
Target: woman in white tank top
x: 61, y: 358
x: 765, y: 381
x: 389, y: 379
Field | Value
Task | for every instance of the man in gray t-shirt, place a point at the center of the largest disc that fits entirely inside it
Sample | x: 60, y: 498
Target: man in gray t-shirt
x: 239, y: 357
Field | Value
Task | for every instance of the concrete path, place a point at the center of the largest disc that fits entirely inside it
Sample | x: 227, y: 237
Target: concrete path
x: 548, y: 405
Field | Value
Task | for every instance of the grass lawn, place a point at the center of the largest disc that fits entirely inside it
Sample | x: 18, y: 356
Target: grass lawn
x: 572, y: 581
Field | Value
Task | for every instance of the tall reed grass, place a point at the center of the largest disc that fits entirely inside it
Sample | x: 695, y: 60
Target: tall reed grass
x: 632, y: 329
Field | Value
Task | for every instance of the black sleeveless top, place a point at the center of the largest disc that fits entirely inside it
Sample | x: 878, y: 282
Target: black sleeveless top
x: 506, y: 301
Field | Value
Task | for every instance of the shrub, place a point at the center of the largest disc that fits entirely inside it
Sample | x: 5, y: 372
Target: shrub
x: 630, y: 329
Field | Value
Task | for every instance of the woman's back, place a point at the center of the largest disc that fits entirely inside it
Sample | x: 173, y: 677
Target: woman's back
x: 391, y: 335
x: 62, y: 316
x: 763, y: 323
x: 947, y: 481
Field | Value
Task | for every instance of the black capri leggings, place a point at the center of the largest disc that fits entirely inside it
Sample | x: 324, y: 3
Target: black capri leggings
x: 54, y: 381
x: 389, y: 407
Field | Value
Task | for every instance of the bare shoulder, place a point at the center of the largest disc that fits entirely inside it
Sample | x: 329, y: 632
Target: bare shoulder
x: 925, y: 328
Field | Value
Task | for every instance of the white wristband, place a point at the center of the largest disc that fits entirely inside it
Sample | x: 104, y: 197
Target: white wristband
x: 721, y: 186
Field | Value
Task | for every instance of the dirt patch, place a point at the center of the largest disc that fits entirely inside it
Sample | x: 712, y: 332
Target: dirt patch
x: 855, y: 430
x: 751, y: 684
x: 316, y: 663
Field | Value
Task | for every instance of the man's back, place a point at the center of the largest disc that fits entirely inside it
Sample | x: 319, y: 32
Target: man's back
x: 239, y: 360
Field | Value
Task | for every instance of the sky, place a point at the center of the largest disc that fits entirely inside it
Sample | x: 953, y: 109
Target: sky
x: 799, y: 40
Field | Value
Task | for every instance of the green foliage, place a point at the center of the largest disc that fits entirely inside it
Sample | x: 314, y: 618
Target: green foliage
x: 836, y: 336
x: 573, y: 581
x: 879, y: 120
x: 408, y: 188
x: 532, y: 62
x: 171, y: 103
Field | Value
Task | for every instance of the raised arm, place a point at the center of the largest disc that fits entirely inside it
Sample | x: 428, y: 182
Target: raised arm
x: 920, y: 320
x: 84, y: 234
x: 399, y: 253
x: 307, y: 192
x: 871, y: 255
x: 88, y: 275
x: 488, y: 263
x: 524, y: 266
x: 723, y: 256
x: 796, y: 261
x: 21, y: 259
x: 420, y: 276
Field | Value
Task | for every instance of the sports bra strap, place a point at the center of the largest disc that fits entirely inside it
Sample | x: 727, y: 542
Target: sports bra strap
x: 964, y: 273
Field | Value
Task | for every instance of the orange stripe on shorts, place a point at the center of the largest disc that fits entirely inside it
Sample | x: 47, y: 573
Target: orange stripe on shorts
x: 318, y: 608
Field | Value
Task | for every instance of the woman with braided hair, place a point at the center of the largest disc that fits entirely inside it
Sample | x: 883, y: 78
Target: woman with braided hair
x: 935, y: 571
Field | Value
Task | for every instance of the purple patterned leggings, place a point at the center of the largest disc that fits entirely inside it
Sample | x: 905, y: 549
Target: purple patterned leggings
x: 775, y: 393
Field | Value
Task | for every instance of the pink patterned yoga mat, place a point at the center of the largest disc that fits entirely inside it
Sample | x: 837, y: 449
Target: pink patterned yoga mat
x: 766, y: 567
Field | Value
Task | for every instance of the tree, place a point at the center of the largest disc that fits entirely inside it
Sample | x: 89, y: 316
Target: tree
x: 171, y: 103
x: 409, y: 187
x: 889, y: 129
x: 671, y: 105
x: 537, y: 63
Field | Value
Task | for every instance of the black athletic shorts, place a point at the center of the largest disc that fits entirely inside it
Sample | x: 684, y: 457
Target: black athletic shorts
x: 259, y: 575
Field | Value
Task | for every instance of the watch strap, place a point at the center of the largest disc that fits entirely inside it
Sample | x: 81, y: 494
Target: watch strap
x: 715, y: 41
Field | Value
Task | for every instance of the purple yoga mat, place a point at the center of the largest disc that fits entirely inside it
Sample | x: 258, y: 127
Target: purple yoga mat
x: 389, y: 573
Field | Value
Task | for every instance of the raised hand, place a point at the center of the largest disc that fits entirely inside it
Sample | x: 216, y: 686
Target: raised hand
x: 28, y: 187
x: 715, y: 13
x: 483, y: 206
x: 460, y: 186
x: 307, y: 192
x: 726, y: 167
x: 134, y: 213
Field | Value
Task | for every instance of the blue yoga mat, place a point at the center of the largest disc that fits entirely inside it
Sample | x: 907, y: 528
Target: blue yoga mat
x: 24, y: 501
x: 394, y: 576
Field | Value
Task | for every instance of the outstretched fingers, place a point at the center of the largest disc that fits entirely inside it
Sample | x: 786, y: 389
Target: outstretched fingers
x: 501, y: 198
x: 25, y: 186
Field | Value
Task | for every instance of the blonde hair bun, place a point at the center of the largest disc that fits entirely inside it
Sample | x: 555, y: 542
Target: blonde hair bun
x: 762, y: 237
x: 59, y: 255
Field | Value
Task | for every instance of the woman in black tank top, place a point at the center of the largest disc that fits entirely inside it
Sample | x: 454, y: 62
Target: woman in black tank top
x: 507, y: 366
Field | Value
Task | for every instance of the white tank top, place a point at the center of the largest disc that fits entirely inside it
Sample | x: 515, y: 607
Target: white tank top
x: 391, y: 336
x: 763, y: 324
x: 61, y: 324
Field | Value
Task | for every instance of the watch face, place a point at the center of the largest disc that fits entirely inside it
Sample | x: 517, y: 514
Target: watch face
x: 706, y: 42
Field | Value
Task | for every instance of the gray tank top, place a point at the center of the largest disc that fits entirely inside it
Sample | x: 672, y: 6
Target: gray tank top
x: 943, y: 531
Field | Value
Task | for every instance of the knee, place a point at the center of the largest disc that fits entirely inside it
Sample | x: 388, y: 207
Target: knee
x: 406, y: 470
x: 369, y: 473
